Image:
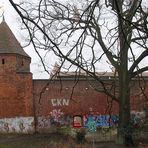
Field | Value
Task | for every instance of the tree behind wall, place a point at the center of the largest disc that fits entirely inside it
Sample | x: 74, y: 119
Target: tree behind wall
x: 88, y: 32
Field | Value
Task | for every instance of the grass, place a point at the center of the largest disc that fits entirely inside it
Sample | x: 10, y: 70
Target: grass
x: 24, y: 144
x: 57, y: 140
x: 41, y: 141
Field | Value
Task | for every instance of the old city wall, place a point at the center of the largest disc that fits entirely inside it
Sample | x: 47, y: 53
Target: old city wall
x: 48, y: 103
x: 57, y: 102
x: 68, y: 102
x: 16, y: 107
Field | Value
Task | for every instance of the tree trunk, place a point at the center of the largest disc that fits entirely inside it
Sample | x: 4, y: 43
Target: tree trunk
x: 124, y: 135
x: 124, y: 130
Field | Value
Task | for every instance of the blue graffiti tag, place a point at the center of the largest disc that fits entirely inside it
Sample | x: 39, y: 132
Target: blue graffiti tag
x: 91, y: 124
x: 101, y: 120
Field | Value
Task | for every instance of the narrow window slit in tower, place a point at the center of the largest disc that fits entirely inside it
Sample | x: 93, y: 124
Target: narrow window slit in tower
x: 3, y: 61
x: 22, y: 63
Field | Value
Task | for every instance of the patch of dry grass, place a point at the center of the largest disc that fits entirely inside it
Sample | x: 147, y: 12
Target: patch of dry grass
x: 69, y: 144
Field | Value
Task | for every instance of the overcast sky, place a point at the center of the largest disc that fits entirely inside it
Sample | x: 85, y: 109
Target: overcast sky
x: 12, y: 20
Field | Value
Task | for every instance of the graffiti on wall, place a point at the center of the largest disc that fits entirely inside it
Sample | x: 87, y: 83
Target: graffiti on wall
x: 77, y: 121
x: 56, y: 117
x: 17, y: 125
x: 60, y: 102
x: 44, y: 122
x: 137, y: 118
x: 101, y: 120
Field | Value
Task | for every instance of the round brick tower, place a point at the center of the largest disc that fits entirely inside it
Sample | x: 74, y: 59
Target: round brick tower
x: 16, y: 106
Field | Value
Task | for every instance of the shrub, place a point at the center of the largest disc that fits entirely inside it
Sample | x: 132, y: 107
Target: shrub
x: 80, y: 136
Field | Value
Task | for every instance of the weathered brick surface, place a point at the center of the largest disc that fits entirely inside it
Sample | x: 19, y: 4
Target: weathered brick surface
x: 15, y: 89
x: 82, y: 98
x: 17, y: 97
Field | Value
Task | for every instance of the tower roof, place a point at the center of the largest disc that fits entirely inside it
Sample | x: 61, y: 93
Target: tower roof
x: 8, y: 42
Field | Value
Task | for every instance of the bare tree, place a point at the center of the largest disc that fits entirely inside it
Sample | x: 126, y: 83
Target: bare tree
x: 92, y: 30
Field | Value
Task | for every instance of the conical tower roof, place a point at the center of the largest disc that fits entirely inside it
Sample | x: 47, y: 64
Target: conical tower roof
x: 8, y: 42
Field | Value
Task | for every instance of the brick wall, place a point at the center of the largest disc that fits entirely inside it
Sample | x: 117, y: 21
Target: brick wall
x: 78, y: 98
x: 57, y: 102
x: 15, y: 89
x: 69, y: 98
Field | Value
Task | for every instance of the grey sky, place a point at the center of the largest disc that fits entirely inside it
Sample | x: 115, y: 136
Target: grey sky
x: 13, y: 22
x: 11, y: 18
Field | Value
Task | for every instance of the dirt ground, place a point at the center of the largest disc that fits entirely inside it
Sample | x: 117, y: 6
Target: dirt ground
x: 51, y: 141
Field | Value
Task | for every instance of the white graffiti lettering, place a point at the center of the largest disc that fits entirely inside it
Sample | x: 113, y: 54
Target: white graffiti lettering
x: 54, y: 102
x: 60, y: 102
x: 66, y: 102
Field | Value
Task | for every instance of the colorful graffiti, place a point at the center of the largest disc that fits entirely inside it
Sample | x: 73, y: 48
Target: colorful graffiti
x: 137, y: 118
x: 56, y: 117
x: 92, y: 126
x: 44, y: 122
x: 77, y: 121
x: 48, y: 121
x: 101, y: 120
x: 56, y: 114
x: 17, y: 125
